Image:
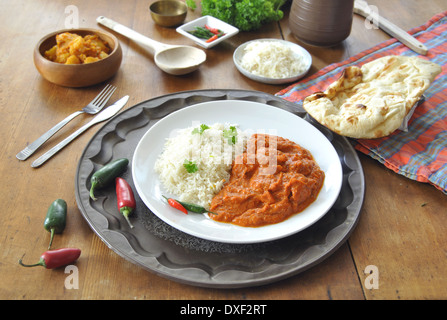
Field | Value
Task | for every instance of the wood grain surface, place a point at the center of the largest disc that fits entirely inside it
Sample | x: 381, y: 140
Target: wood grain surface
x: 402, y: 229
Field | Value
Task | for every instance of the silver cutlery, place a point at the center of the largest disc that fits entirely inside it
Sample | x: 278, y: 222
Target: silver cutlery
x: 93, y: 107
x: 103, y: 115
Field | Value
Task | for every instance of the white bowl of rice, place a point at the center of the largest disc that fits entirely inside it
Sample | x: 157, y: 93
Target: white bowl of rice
x: 272, y: 61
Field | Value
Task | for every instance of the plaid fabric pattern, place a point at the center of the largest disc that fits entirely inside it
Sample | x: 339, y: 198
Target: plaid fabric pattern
x: 421, y: 153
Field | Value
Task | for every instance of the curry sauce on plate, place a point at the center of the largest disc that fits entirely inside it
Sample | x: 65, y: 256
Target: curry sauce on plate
x: 273, y: 180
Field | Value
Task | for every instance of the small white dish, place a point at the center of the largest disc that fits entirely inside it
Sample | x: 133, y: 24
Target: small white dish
x: 212, y: 22
x: 240, y: 51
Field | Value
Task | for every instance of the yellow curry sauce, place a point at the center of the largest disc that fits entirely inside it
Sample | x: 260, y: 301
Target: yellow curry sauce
x: 273, y: 180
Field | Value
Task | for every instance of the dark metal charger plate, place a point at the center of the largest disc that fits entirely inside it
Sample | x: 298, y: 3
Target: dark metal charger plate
x: 170, y: 253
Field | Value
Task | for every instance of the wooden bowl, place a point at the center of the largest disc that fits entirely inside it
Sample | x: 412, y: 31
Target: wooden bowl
x: 78, y: 75
x: 168, y: 13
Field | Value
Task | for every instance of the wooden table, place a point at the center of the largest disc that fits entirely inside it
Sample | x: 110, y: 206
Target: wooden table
x: 402, y: 229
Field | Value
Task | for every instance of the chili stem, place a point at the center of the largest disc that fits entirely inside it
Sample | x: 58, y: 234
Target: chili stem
x: 51, y: 238
x: 126, y: 213
x: 40, y: 263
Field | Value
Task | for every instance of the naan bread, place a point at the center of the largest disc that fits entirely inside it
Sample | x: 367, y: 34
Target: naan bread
x: 371, y: 101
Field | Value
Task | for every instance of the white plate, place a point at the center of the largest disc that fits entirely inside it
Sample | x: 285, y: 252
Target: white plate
x: 212, y: 22
x: 240, y: 51
x: 249, y: 116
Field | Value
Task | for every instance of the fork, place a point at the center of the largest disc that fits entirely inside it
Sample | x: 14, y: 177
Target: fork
x: 92, y: 108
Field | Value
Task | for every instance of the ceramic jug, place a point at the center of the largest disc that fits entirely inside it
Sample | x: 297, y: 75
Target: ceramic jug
x: 321, y: 22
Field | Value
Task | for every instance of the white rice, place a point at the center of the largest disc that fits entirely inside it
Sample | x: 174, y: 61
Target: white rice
x: 272, y: 59
x: 209, y: 151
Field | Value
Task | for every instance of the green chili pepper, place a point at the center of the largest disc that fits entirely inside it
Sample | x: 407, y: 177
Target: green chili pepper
x: 107, y: 174
x: 207, y: 33
x: 193, y: 207
x: 203, y: 33
x: 56, y: 218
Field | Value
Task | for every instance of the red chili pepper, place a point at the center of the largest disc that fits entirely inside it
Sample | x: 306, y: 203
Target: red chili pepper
x: 175, y: 204
x: 125, y: 198
x: 212, y: 38
x: 213, y: 30
x: 56, y: 258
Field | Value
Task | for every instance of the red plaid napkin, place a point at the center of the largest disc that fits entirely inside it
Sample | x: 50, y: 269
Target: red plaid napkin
x: 421, y: 153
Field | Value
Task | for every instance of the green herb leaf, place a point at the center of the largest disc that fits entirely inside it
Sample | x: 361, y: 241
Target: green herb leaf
x: 191, y: 4
x: 203, y: 127
x: 230, y: 134
x: 247, y: 15
x: 190, y: 166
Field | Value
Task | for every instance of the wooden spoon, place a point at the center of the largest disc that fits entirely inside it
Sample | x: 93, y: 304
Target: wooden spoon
x: 176, y: 60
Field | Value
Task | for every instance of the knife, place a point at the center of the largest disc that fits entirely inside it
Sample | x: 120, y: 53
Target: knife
x: 362, y: 8
x: 103, y: 115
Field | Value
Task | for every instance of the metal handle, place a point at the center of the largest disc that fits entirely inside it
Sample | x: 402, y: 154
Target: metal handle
x: 47, y: 155
x: 30, y: 149
x: 102, y: 116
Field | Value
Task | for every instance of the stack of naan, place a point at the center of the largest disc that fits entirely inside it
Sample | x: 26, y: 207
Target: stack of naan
x: 371, y: 101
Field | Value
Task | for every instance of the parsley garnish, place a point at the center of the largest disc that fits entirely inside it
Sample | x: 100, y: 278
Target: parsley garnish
x: 203, y: 127
x: 191, y: 4
x: 230, y: 135
x: 246, y: 15
x: 190, y: 166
